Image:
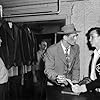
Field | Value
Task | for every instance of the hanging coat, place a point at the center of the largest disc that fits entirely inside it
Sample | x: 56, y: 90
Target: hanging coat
x: 25, y: 47
x: 10, y: 44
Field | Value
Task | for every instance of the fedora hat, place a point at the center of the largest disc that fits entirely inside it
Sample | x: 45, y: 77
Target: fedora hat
x: 68, y: 29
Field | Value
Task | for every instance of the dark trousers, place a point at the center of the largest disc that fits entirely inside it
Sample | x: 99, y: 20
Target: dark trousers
x: 15, y: 88
x: 4, y: 91
x: 40, y: 87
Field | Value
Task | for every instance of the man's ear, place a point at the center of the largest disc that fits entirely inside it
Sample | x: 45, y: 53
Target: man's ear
x: 65, y: 37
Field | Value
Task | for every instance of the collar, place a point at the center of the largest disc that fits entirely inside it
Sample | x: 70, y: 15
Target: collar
x: 64, y: 48
x: 97, y: 51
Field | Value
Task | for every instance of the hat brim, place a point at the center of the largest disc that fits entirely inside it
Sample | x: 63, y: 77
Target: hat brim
x: 75, y: 32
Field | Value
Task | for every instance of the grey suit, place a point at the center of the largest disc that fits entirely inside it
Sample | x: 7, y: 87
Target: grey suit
x: 55, y: 62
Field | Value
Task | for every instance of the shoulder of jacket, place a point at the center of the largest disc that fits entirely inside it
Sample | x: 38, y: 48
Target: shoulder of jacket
x: 76, y: 46
x: 54, y: 46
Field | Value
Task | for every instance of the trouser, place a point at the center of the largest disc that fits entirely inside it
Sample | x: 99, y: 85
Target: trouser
x: 15, y: 88
x: 4, y: 91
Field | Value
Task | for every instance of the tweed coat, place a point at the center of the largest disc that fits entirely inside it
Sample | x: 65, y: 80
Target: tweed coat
x: 55, y: 62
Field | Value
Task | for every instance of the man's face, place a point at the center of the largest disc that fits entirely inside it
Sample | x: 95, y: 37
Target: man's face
x: 0, y: 42
x: 71, y: 39
x: 94, y: 38
x: 43, y: 45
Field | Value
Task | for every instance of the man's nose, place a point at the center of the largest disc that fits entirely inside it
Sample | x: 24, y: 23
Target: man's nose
x: 75, y: 37
x: 90, y: 39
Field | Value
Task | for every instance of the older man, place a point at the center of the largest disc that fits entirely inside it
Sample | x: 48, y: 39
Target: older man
x: 62, y: 59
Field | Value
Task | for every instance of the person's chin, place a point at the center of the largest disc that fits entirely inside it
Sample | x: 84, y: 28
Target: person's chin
x: 73, y: 43
x: 91, y: 44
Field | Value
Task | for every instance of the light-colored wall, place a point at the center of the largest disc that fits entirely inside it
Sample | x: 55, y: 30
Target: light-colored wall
x: 85, y: 15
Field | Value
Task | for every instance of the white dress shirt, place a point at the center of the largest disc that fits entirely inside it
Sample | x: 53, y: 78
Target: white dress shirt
x: 93, y: 66
x: 64, y: 48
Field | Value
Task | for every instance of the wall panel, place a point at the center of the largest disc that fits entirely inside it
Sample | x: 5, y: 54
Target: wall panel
x: 20, y: 7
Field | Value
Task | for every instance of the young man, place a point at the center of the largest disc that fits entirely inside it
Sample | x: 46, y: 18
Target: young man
x: 3, y: 79
x: 94, y: 39
x: 41, y: 78
x: 62, y: 59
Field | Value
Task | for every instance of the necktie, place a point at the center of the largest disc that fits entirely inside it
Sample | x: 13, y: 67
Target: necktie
x: 67, y: 59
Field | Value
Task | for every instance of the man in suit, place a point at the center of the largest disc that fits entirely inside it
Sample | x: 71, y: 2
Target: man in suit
x: 62, y: 59
x: 94, y: 39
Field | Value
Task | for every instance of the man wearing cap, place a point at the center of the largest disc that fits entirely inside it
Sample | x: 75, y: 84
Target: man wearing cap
x: 62, y: 59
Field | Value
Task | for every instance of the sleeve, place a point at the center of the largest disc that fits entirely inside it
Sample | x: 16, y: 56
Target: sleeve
x: 93, y: 85
x: 76, y: 66
x: 50, y: 65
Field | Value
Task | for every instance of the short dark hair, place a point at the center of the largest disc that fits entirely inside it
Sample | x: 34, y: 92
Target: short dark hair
x: 92, y: 29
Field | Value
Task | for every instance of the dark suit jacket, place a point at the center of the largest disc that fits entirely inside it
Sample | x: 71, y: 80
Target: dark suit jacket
x: 10, y: 50
x: 55, y: 62
x: 96, y: 83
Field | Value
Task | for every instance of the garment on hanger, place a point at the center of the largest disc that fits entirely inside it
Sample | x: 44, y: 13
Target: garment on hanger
x: 10, y: 24
x: 10, y: 41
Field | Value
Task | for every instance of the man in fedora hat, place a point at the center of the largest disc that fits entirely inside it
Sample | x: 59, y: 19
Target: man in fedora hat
x: 62, y: 59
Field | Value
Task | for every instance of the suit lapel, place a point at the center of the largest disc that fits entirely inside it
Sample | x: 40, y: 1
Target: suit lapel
x: 8, y: 30
x: 98, y: 68
x: 62, y: 55
x: 98, y: 61
x: 98, y: 64
x: 72, y: 53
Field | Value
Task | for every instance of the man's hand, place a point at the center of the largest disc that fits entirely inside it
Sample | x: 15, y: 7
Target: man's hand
x: 61, y: 79
x: 78, y: 89
x: 75, y: 88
